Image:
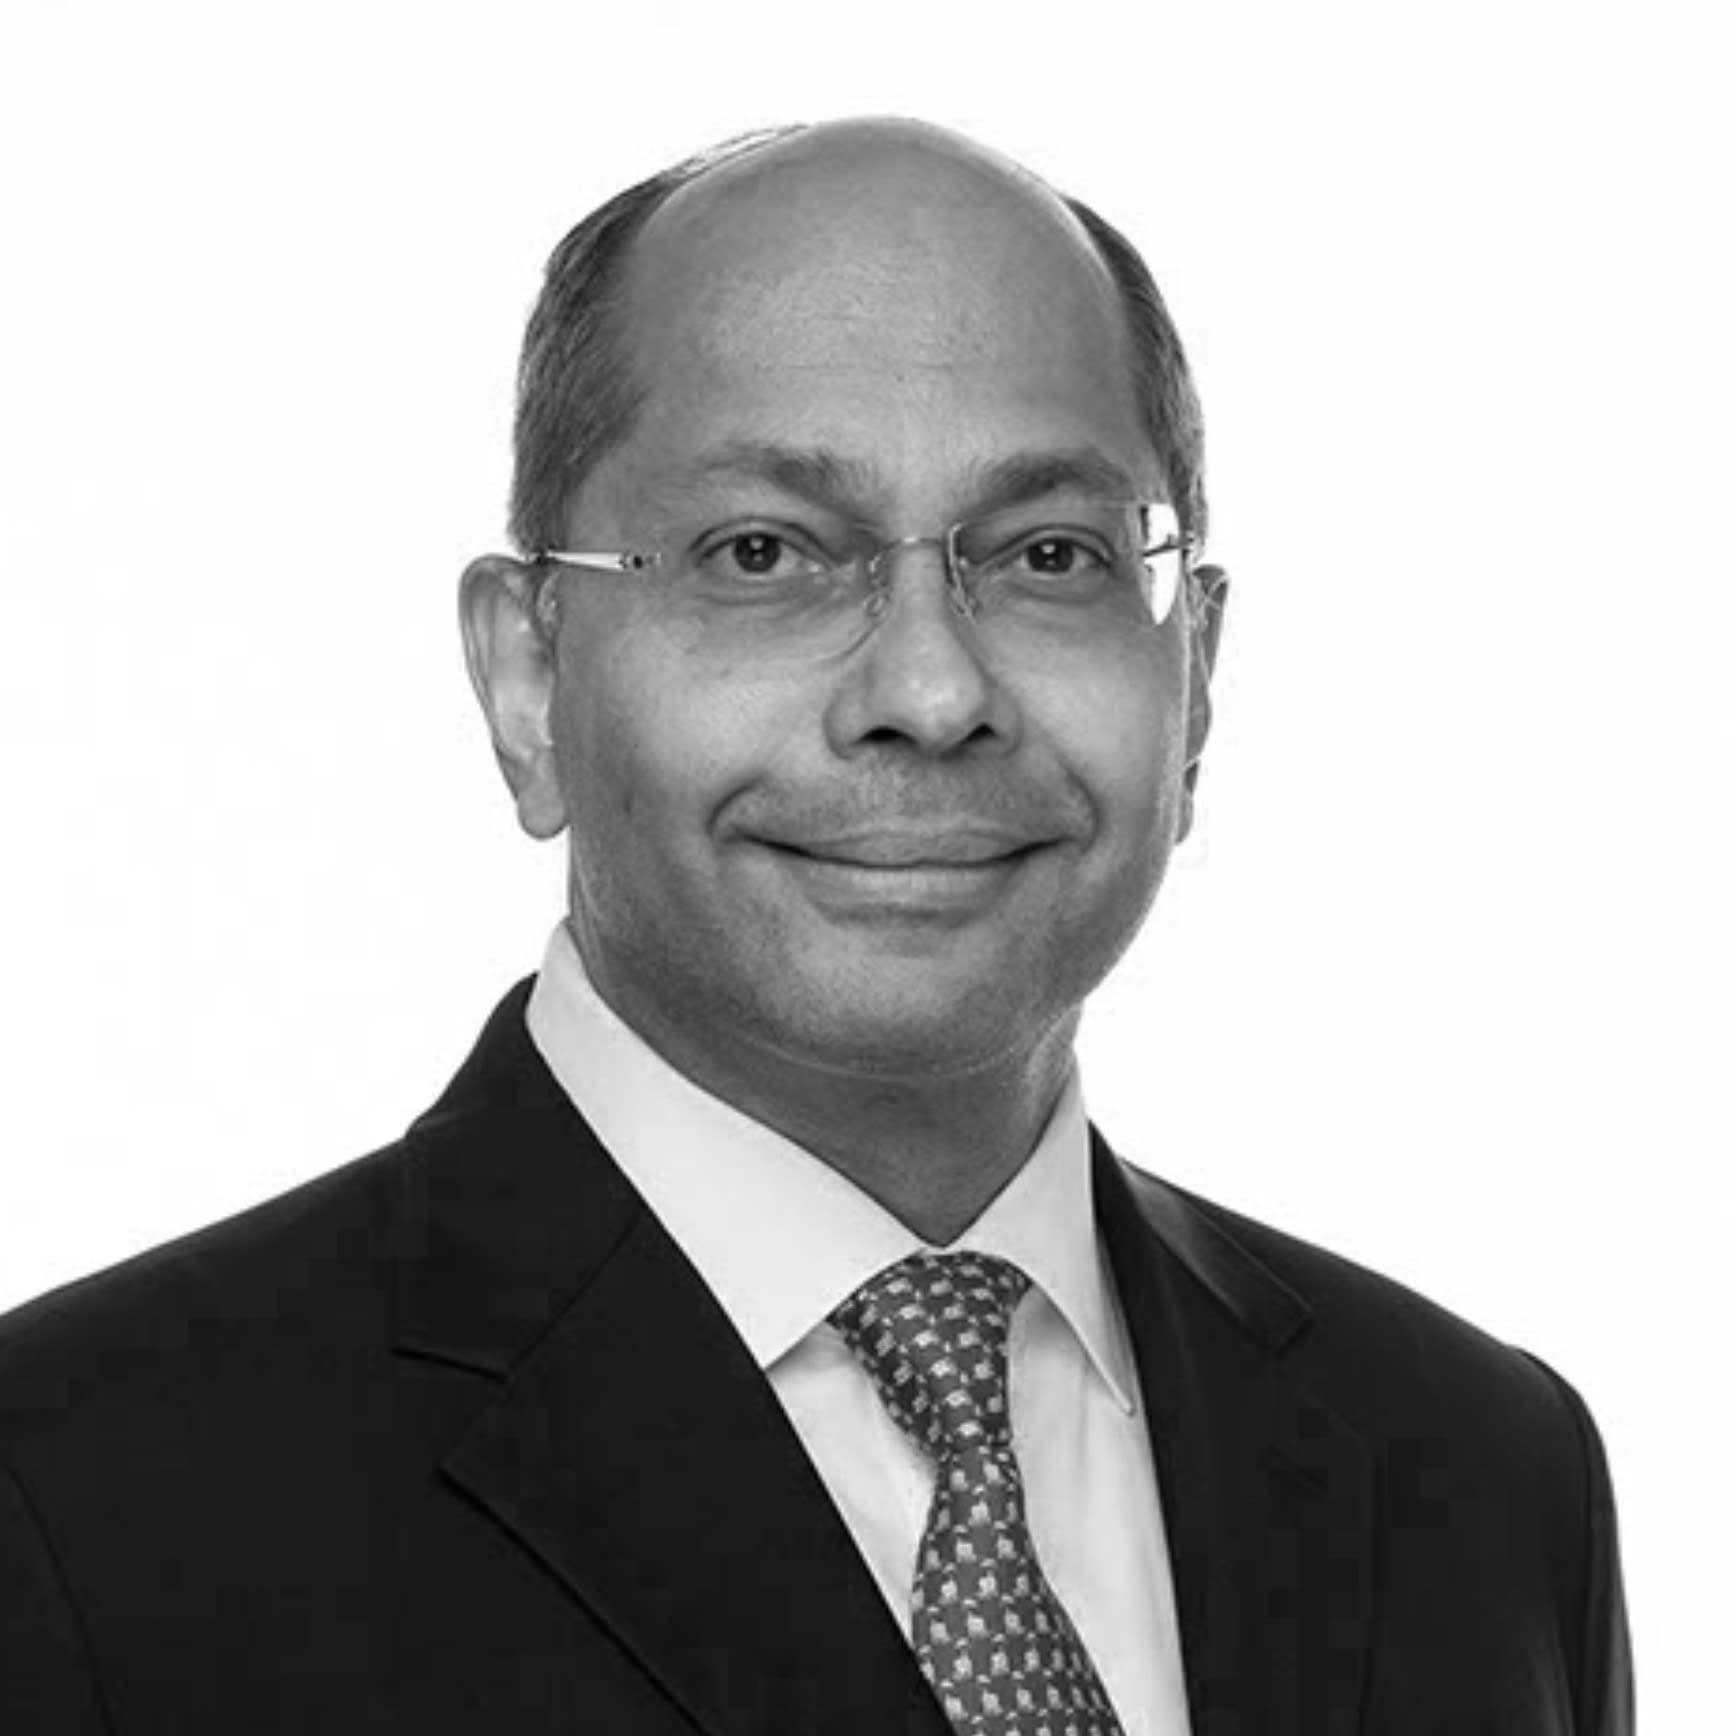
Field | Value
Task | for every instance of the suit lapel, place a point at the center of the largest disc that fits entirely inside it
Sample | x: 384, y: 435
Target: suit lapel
x: 631, y: 1444
x: 1267, y: 1494
x: 628, y: 1441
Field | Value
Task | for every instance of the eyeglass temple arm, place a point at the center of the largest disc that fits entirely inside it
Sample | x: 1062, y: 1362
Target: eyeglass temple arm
x: 598, y: 560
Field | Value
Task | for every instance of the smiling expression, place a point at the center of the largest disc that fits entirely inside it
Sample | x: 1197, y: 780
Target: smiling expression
x: 916, y: 854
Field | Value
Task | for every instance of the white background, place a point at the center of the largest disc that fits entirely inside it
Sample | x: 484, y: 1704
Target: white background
x: 1445, y: 982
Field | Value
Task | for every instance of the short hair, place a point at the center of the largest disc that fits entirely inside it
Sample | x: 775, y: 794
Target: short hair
x: 577, y: 399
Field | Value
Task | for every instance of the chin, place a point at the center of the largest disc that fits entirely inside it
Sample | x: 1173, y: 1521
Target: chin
x: 909, y: 1023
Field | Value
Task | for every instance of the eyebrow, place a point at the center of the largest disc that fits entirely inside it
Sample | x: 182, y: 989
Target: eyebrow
x: 839, y: 483
x: 815, y: 474
x: 1027, y: 476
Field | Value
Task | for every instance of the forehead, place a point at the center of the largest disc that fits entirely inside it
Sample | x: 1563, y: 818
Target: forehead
x: 925, y: 313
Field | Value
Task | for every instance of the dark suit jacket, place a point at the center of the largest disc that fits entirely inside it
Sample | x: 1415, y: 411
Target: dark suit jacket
x: 455, y: 1440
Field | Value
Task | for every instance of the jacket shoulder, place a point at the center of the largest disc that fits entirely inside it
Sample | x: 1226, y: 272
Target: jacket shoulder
x: 1474, y: 1440
x: 286, y: 1271
x: 1392, y: 1359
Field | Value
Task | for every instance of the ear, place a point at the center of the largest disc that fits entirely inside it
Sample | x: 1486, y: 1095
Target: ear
x: 510, y: 653
x: 1203, y: 632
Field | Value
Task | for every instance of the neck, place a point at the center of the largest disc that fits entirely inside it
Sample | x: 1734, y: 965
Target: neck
x: 933, y: 1150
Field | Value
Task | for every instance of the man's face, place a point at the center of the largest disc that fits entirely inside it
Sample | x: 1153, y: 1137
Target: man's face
x: 917, y: 856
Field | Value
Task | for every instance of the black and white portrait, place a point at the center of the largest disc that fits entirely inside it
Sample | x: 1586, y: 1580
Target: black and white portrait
x: 1047, y: 695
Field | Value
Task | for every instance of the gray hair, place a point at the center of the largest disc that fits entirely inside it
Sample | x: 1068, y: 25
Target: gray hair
x: 576, y: 400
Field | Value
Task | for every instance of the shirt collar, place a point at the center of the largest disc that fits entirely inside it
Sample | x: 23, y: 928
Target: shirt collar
x: 780, y: 1237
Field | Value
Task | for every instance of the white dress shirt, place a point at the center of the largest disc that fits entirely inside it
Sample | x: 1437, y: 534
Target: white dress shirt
x: 781, y: 1239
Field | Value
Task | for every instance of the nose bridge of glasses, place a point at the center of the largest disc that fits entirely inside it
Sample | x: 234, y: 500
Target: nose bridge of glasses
x: 880, y: 567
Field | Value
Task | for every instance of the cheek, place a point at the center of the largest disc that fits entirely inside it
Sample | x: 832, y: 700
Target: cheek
x: 648, y: 748
x: 1122, y: 732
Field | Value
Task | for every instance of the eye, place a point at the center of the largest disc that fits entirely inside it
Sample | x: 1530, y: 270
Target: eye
x: 756, y: 556
x: 1056, y: 555
x: 757, y: 552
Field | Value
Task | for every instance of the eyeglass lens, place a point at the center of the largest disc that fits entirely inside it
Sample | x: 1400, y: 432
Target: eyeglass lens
x: 1028, y: 582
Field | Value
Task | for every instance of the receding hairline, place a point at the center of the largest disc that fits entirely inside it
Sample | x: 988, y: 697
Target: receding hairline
x: 1169, y: 408
x: 840, y: 160
x: 831, y: 168
x: 851, y: 145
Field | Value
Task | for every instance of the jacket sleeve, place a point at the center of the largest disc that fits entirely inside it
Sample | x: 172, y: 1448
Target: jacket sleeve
x: 46, y: 1685
x: 1604, y: 1689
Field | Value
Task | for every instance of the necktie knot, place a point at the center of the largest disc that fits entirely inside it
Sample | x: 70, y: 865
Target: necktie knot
x: 932, y: 1333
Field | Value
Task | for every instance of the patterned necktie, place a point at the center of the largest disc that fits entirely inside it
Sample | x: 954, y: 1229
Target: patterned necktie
x: 989, y: 1632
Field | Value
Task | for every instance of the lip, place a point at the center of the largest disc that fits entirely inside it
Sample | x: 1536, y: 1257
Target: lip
x: 967, y: 847
x: 901, y: 878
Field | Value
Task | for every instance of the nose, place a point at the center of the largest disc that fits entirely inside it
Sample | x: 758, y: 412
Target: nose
x: 923, y: 677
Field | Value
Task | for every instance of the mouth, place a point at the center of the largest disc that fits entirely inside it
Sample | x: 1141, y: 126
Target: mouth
x: 898, y: 851
x: 928, y: 878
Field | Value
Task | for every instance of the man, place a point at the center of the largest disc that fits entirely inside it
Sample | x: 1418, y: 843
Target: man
x: 754, y: 1337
